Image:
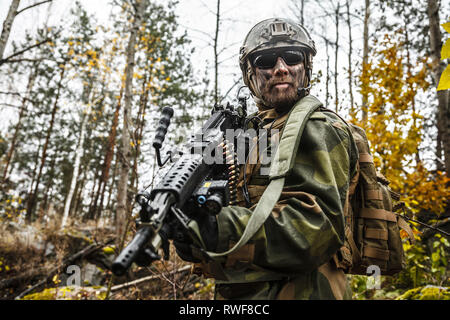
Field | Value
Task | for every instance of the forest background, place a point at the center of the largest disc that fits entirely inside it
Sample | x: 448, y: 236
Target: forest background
x: 82, y: 85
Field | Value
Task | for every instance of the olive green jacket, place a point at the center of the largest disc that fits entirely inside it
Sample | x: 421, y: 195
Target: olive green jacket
x: 291, y: 256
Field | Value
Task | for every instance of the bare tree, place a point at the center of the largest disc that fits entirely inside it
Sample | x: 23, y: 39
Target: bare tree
x: 7, y: 24
x: 364, y: 95
x: 218, y: 50
x: 327, y: 80
x: 125, y: 152
x: 333, y: 11
x: 216, y: 55
x: 298, y: 7
x: 336, y: 21
x: 350, y: 51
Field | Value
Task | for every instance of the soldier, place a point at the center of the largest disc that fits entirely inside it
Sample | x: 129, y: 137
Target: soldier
x: 293, y: 254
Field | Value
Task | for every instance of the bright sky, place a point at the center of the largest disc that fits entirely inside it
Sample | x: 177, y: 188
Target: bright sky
x: 196, y: 16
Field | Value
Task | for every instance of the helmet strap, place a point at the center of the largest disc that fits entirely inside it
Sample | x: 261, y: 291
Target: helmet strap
x: 303, y: 92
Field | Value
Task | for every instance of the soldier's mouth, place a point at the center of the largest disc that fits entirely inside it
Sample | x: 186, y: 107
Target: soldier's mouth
x: 282, y: 85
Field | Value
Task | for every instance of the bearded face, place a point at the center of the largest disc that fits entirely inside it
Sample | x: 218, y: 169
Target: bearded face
x: 278, y: 77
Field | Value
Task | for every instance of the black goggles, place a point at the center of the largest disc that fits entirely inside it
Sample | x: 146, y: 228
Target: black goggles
x: 268, y: 59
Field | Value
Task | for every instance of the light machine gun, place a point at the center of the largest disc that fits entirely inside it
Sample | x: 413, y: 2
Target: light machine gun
x: 197, y: 183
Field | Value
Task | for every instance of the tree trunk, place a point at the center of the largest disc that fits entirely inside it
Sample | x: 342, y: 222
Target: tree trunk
x: 97, y: 181
x: 122, y: 194
x: 336, y: 98
x: 48, y: 190
x: 33, y: 174
x: 139, y: 131
x: 365, y: 97
x: 7, y: 24
x: 440, y: 165
x: 216, y: 56
x: 18, y: 125
x: 327, y: 84
x: 76, y: 169
x: 32, y: 200
x: 110, y: 151
x: 302, y: 16
x: 438, y: 67
x: 79, y: 196
x: 350, y: 70
x: 409, y: 75
x: 111, y: 186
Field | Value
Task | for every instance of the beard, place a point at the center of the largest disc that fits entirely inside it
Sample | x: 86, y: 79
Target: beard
x: 281, y: 99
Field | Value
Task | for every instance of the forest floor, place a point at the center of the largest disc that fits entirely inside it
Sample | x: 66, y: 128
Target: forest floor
x: 41, y: 262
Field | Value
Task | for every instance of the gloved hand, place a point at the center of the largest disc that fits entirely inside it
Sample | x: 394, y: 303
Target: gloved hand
x: 166, y: 233
x: 209, y: 232
x: 182, y: 243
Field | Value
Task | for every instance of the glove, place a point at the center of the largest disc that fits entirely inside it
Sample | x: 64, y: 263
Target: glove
x: 165, y: 233
x: 208, y: 231
x: 182, y: 243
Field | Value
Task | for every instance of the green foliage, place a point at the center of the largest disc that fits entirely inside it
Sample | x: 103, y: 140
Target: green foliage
x: 68, y: 293
x: 439, y: 259
x: 426, y: 293
x: 206, y: 286
x: 426, y: 267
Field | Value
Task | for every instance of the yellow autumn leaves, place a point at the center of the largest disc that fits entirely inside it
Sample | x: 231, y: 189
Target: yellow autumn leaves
x: 444, y: 82
x: 395, y: 125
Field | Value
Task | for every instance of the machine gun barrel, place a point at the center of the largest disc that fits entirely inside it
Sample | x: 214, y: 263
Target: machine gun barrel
x: 132, y: 251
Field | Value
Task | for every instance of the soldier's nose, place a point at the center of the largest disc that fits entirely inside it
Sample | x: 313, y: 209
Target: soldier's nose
x: 280, y: 68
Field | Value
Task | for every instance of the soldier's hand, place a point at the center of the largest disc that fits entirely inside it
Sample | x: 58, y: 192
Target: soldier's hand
x: 183, y: 243
x: 209, y: 232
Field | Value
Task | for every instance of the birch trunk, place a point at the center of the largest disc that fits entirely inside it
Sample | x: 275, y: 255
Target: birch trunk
x: 7, y: 25
x: 76, y: 169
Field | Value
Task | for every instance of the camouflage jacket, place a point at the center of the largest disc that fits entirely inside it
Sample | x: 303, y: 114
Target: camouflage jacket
x: 290, y: 257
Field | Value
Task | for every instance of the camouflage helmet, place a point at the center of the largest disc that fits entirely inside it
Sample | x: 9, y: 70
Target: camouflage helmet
x: 269, y: 34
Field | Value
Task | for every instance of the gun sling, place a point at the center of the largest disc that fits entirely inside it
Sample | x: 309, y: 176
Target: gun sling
x: 282, y: 163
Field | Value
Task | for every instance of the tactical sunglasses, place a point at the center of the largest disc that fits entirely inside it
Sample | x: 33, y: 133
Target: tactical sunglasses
x: 268, y: 59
